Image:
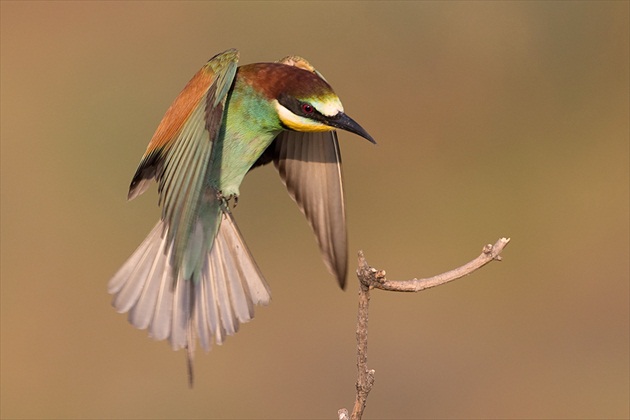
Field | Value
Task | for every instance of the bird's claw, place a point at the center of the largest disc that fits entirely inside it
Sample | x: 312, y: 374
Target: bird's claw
x: 225, y: 200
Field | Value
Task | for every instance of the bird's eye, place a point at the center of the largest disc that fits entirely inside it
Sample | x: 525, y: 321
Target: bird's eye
x: 307, y: 109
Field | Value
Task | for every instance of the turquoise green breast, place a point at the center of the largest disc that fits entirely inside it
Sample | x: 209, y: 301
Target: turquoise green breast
x: 249, y: 126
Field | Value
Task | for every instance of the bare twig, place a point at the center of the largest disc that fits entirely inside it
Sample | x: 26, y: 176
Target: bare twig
x: 365, y: 377
x: 370, y: 278
x: 376, y: 279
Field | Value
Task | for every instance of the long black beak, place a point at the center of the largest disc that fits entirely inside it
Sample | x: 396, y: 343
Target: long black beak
x: 344, y: 122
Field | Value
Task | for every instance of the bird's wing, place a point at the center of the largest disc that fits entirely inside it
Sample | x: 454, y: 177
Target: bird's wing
x: 179, y: 154
x: 193, y: 275
x: 310, y: 167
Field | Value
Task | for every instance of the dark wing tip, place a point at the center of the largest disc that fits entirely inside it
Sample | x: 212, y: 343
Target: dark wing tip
x: 341, y: 279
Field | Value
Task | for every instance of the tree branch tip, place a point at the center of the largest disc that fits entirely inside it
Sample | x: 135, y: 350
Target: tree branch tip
x: 343, y: 414
x: 494, y: 250
x: 363, y: 265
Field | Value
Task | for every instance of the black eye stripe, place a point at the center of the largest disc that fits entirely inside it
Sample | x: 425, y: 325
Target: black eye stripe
x: 303, y: 109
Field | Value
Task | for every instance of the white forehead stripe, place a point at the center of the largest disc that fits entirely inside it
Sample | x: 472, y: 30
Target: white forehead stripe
x: 329, y: 108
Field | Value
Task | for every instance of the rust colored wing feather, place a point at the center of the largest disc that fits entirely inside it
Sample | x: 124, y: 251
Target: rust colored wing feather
x: 218, y: 72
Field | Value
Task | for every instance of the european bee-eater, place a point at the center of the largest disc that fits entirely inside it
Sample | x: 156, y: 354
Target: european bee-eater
x: 193, y: 276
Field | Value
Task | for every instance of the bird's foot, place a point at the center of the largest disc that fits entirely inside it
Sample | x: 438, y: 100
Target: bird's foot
x: 225, y: 200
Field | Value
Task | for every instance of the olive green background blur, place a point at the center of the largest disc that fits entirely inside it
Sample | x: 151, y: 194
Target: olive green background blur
x: 492, y: 119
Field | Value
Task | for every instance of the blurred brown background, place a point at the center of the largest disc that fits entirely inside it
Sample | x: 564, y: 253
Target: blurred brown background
x: 493, y: 119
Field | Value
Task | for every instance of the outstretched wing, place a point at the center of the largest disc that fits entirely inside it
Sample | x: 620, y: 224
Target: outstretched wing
x: 178, y: 157
x: 193, y: 276
x: 310, y: 167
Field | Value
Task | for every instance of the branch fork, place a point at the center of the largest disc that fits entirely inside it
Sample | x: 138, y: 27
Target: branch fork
x: 371, y: 278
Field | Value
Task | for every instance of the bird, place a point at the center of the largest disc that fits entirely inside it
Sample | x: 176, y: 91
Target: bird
x: 193, y: 278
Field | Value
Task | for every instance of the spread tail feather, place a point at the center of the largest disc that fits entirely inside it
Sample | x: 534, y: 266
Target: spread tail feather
x: 209, y: 306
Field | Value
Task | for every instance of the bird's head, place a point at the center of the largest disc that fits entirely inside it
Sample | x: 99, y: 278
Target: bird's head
x: 303, y: 100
